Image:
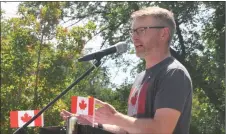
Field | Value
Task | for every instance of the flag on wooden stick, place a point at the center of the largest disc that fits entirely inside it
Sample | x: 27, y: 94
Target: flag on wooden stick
x: 19, y: 118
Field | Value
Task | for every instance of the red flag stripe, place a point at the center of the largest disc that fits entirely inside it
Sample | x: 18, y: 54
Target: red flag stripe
x: 13, y: 119
x: 38, y: 121
x: 74, y: 104
x: 91, y: 107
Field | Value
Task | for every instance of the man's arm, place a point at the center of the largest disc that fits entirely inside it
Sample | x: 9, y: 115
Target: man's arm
x: 113, y: 129
x: 164, y: 122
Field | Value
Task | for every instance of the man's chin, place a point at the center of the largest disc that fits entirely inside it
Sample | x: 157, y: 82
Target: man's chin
x: 140, y: 55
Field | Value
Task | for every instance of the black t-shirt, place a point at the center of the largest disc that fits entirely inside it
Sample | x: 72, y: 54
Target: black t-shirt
x: 165, y: 85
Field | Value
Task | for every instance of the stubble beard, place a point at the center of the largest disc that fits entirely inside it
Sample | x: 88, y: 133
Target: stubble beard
x: 144, y: 53
x: 141, y: 54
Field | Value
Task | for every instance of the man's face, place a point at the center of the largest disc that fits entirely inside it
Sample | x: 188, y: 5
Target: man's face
x: 144, y: 38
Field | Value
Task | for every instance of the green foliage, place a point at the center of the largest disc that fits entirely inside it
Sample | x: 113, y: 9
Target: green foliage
x: 28, y: 83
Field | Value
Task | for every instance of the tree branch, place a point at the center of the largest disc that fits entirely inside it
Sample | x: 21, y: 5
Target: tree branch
x: 181, y: 40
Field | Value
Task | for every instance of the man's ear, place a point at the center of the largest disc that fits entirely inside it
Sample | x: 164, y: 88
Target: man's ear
x: 165, y: 34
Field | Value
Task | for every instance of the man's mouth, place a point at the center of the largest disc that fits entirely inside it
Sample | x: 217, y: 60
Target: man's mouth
x: 138, y: 46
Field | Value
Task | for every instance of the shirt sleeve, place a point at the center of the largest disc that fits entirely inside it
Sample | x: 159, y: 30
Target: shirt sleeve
x: 173, y: 90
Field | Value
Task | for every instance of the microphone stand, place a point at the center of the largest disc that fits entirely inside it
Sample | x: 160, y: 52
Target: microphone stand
x: 21, y: 129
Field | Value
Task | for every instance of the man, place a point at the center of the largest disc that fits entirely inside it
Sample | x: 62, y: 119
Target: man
x: 160, y: 100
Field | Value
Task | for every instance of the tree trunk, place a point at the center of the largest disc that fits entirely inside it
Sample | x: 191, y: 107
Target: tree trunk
x: 181, y: 40
x: 37, y: 72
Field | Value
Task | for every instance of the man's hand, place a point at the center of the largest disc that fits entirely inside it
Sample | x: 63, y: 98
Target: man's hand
x: 84, y: 120
x: 105, y: 114
x: 65, y: 114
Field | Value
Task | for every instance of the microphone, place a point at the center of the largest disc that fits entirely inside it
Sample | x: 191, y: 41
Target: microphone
x: 120, y: 47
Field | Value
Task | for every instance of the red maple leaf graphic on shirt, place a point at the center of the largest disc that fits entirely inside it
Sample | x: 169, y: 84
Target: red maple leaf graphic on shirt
x: 82, y: 105
x: 26, y: 117
x: 134, y: 99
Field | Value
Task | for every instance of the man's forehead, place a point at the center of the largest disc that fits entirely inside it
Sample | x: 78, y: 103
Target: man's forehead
x: 143, y: 21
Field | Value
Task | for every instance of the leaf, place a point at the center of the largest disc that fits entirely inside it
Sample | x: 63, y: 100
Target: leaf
x: 26, y: 117
x: 82, y: 105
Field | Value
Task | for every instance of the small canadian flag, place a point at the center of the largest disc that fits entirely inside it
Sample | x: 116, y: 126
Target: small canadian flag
x: 19, y: 118
x: 82, y: 105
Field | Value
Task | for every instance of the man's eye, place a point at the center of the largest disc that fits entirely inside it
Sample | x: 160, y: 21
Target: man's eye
x: 140, y: 30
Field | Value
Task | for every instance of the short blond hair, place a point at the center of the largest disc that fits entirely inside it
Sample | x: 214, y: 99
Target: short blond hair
x: 165, y: 17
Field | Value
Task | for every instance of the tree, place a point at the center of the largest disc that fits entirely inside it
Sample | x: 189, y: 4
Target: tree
x: 36, y: 69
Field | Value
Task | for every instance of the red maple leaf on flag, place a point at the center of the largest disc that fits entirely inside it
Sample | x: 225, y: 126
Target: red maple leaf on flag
x: 82, y: 105
x: 26, y: 117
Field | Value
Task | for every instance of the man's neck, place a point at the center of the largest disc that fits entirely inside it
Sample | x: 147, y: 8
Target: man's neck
x: 155, y: 58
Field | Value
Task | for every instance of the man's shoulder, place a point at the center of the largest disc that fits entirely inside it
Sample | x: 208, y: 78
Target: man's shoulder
x: 174, y: 67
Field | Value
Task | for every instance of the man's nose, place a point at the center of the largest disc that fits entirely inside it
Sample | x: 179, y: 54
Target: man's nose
x: 134, y: 36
